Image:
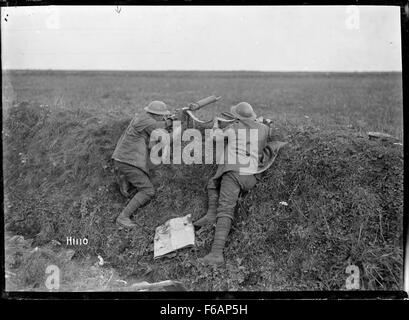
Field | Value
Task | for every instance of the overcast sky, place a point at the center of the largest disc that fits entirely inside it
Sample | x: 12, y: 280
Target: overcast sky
x: 202, y: 38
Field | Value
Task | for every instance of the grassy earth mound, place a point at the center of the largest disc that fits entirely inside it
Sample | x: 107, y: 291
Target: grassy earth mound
x: 344, y: 195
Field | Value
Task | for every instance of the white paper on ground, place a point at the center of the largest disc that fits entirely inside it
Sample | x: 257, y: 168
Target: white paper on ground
x: 174, y: 234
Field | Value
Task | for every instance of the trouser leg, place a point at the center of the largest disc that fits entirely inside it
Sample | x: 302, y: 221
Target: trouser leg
x: 231, y: 186
x: 121, y: 180
x: 213, y: 197
x: 145, y: 193
x: 229, y: 192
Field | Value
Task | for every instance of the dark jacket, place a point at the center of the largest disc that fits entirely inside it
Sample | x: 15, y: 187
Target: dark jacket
x: 132, y: 147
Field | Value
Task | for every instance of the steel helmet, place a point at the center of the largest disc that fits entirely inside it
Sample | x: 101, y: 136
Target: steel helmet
x: 157, y: 107
x: 243, y: 111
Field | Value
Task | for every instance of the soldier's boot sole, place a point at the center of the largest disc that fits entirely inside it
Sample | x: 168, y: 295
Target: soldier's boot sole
x: 125, y: 222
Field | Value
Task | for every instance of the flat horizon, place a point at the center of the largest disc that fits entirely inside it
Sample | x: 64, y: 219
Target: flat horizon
x: 219, y: 71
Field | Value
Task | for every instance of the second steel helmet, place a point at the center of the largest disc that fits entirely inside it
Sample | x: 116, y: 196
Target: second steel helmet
x: 243, y: 111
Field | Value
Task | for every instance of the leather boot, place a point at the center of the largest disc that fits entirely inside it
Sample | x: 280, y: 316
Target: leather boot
x: 215, y: 257
x: 124, y: 219
x: 210, y: 217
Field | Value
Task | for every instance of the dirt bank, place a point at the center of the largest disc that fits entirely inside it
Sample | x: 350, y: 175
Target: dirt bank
x: 344, y: 195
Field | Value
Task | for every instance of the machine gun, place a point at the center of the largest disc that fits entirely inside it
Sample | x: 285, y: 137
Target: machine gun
x: 186, y: 114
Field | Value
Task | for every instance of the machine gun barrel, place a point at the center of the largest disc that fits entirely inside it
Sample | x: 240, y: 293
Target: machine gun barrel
x: 186, y: 113
x: 203, y: 102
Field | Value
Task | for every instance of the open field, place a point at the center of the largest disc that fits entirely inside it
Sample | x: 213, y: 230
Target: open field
x: 371, y: 101
x: 344, y: 192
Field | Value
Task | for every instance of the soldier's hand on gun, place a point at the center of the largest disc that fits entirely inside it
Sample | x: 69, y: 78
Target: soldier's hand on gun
x: 168, y: 122
x: 180, y: 115
x: 215, y: 124
x: 266, y: 121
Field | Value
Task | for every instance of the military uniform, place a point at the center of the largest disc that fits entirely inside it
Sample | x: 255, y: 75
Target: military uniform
x: 132, y: 162
x: 231, y: 178
x: 131, y: 155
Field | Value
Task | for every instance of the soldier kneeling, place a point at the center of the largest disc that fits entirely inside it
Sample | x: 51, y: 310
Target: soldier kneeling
x: 131, y: 158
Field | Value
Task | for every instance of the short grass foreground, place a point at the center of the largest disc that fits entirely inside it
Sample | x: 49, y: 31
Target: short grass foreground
x: 343, y: 193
